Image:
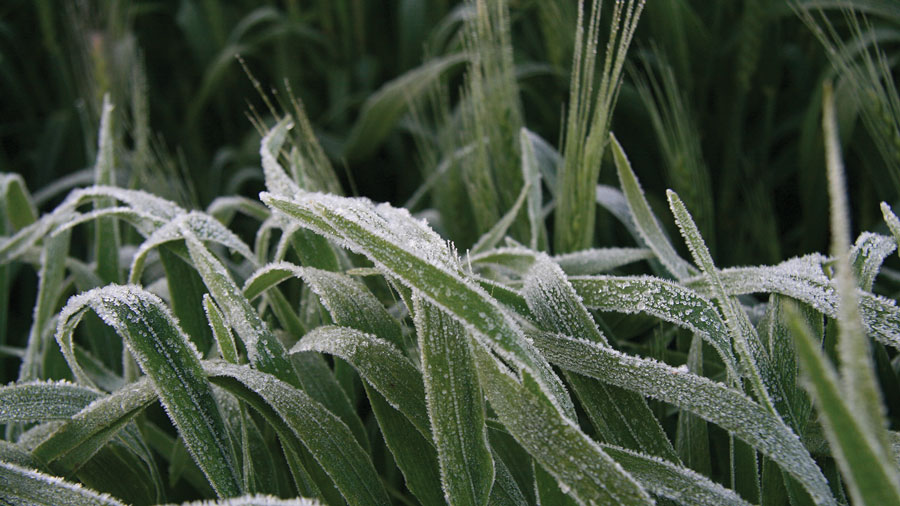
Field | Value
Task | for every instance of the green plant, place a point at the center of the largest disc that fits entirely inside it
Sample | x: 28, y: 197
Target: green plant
x: 309, y: 344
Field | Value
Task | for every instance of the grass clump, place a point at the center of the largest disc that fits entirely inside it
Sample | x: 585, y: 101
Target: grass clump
x: 527, y: 330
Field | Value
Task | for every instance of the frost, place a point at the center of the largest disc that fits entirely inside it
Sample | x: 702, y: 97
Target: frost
x: 255, y: 500
x: 595, y: 261
x: 43, y: 400
x: 27, y: 486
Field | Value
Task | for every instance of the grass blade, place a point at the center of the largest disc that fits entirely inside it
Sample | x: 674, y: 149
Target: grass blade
x: 106, y: 235
x: 166, y: 355
x: 644, y: 220
x: 18, y: 205
x: 455, y: 406
x: 20, y: 485
x: 581, y: 468
x: 43, y: 400
x: 420, y: 259
x: 378, y: 362
x: 256, y: 500
x: 324, y: 434
x: 714, y: 402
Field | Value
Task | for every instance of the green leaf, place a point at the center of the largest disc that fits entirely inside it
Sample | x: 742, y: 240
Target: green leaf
x: 383, y: 109
x: 867, y: 255
x: 106, y: 235
x: 663, y: 299
x: 755, y: 361
x: 531, y: 175
x: 714, y: 402
x: 870, y: 473
x: 43, y: 400
x: 594, y: 261
x: 324, y: 434
x: 644, y: 219
x: 256, y: 500
x: 166, y: 355
x: 455, y: 406
x: 221, y: 331
x: 19, y: 207
x: 419, y: 258
x: 583, y: 470
x: 20, y: 485
x: 498, y: 231
x: 558, y: 308
x: 378, y: 362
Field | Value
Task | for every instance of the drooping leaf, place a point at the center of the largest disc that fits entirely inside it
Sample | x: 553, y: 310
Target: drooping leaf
x: 166, y: 355
x: 20, y: 485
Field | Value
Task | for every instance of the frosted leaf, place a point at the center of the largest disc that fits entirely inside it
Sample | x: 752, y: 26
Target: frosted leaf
x: 803, y: 279
x: 493, y: 236
x: 223, y: 208
x: 410, y: 251
x: 714, y: 402
x: 297, y: 416
x: 595, y: 261
x: 43, y: 400
x: 868, y: 254
x: 202, y: 226
x: 21, y: 485
x: 663, y: 299
x: 145, y: 223
x: 455, y: 406
x: 652, y: 233
x: 138, y: 200
x: 277, y: 180
x: 378, y: 362
x: 166, y: 355
x: 255, y: 500
x: 613, y: 200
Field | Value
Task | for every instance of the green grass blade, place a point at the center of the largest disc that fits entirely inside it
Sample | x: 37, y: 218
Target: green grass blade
x: 106, y: 235
x: 455, y: 406
x: 492, y: 237
x: 663, y: 299
x: 166, y: 355
x: 714, y: 402
x: 691, y: 432
x: 859, y: 383
x: 621, y: 417
x: 323, y: 433
x: 378, y: 362
x: 19, y: 485
x: 595, y: 261
x: 186, y: 291
x: 892, y: 221
x: 384, y: 108
x: 531, y: 174
x: 51, y: 273
x: 754, y: 359
x: 264, y: 350
x: 43, y: 400
x: 645, y: 221
x: 804, y: 279
x: 221, y: 331
x: 869, y: 472
x: 583, y: 470
x: 19, y: 207
x: 419, y: 258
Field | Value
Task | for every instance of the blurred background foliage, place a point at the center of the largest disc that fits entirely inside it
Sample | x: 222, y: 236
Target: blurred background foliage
x: 720, y: 101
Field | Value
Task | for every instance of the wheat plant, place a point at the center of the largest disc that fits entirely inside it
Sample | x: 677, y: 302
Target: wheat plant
x: 305, y: 347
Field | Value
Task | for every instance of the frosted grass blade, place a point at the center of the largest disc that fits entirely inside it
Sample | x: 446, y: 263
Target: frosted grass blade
x: 221, y: 331
x: 714, y: 402
x: 621, y: 417
x: 583, y: 470
x: 186, y: 291
x: 419, y: 258
x: 531, y: 175
x: 256, y: 500
x: 803, y: 279
x: 867, y: 256
x: 224, y: 209
x: 891, y: 220
x: 378, y: 362
x: 870, y: 474
x: 455, y: 406
x: 264, y: 350
x: 754, y: 359
x: 595, y: 261
x: 645, y: 221
x: 323, y: 433
x: 20, y: 485
x: 663, y: 299
x: 77, y: 440
x: 43, y: 400
x: 166, y: 355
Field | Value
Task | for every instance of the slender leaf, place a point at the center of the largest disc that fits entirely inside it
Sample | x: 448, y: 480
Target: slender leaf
x: 20, y: 485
